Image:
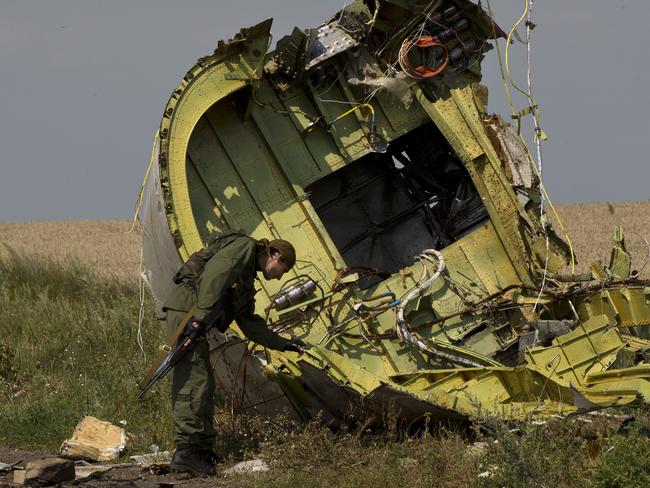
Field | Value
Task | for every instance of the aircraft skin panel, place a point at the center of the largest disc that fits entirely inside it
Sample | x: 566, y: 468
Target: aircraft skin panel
x: 415, y: 215
x: 206, y: 209
x: 189, y: 113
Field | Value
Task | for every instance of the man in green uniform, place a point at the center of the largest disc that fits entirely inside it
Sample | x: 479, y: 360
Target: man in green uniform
x: 222, y: 292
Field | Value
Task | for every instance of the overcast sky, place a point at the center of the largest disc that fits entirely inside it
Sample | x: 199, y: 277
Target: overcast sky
x: 84, y: 83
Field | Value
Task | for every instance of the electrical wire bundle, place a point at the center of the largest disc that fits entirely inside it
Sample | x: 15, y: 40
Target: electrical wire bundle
x: 428, y: 70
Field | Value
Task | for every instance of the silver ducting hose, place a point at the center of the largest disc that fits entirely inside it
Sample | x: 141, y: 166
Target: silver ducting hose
x: 422, y: 286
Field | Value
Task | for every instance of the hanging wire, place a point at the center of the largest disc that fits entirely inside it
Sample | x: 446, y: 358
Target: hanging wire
x: 144, y: 183
x: 141, y: 285
x: 515, y: 114
x: 533, y: 106
x: 538, y: 140
x: 141, y: 272
x: 506, y: 88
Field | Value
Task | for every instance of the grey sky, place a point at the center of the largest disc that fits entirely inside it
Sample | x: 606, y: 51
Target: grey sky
x: 84, y: 83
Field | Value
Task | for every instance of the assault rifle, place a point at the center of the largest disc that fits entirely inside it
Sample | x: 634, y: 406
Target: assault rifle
x: 180, y: 343
x: 183, y: 340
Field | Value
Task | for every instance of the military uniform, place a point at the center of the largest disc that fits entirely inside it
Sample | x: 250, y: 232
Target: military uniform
x: 223, y: 292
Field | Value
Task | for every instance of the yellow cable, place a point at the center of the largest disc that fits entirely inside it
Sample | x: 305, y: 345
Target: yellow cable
x: 530, y: 157
x: 372, y: 21
x: 508, y: 40
x: 356, y: 107
x: 514, y: 112
x: 503, y: 76
x: 144, y: 182
x: 532, y: 103
x: 559, y: 220
x: 344, y: 114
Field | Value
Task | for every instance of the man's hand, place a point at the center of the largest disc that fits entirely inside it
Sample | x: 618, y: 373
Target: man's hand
x: 296, y: 345
x: 193, y: 329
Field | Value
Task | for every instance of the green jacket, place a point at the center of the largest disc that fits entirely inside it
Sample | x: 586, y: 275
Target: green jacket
x: 225, y: 292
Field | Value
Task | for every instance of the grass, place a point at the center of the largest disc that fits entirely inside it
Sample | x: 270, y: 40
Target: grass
x: 319, y: 458
x: 567, y: 452
x: 574, y: 452
x: 68, y: 349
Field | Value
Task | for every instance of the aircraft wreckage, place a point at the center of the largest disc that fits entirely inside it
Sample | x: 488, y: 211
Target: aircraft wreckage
x: 425, y: 275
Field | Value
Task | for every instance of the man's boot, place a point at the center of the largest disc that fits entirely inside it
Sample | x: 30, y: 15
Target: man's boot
x: 192, y: 459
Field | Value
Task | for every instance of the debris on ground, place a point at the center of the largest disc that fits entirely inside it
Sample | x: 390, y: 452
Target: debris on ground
x: 247, y: 467
x: 44, y: 472
x: 90, y: 471
x: 4, y: 467
x: 95, y: 440
x: 152, y: 458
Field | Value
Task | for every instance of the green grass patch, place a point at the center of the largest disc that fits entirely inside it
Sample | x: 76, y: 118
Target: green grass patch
x: 316, y: 457
x: 68, y: 348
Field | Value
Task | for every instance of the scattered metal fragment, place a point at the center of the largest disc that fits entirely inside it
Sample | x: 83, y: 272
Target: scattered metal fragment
x: 4, y: 467
x: 151, y: 458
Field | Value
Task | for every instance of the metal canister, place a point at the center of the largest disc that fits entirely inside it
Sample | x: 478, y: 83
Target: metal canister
x: 294, y: 294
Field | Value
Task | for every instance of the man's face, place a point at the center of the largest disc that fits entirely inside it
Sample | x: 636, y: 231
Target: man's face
x: 275, y: 266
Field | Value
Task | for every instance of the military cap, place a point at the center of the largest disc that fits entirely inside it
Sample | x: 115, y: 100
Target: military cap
x: 286, y: 249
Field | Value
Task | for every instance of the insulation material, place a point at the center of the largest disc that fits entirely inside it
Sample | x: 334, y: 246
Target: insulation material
x: 520, y: 166
x: 399, y: 85
x: 95, y: 440
x: 366, y: 72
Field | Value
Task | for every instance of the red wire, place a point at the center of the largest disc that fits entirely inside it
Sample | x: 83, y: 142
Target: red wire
x: 423, y: 71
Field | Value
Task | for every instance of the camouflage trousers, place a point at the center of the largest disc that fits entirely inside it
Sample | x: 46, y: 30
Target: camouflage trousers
x: 192, y: 392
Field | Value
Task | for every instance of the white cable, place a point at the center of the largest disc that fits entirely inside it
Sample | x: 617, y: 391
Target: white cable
x: 534, y: 111
x: 415, y: 290
x: 141, y: 285
x: 538, y: 145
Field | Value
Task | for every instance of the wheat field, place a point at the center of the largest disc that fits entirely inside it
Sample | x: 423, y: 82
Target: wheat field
x: 591, y: 229
x: 105, y: 246
x: 108, y: 247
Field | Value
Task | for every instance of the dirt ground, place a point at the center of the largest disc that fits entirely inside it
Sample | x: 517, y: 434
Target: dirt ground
x: 128, y: 476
